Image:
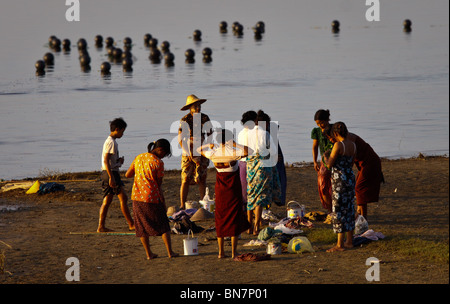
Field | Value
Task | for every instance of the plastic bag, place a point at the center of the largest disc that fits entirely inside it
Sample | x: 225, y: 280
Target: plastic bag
x: 207, y: 203
x: 299, y: 244
x: 361, y: 225
x: 206, y: 197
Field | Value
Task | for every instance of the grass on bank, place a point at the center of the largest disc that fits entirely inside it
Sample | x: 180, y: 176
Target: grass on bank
x: 414, y: 247
x: 407, y: 246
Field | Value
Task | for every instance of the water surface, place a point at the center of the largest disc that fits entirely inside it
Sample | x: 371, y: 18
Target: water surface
x: 389, y: 87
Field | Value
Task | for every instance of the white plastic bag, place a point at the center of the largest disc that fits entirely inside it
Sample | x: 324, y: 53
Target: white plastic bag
x: 361, y: 225
x: 207, y: 203
x: 206, y: 197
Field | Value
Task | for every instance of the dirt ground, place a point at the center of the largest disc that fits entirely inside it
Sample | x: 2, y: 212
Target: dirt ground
x: 36, y: 234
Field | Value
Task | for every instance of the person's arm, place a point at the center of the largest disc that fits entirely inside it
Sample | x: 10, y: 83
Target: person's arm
x: 334, y: 154
x: 204, y: 147
x: 130, y: 171
x: 183, y: 143
x: 246, y: 150
x: 106, y: 162
x: 159, y: 180
x: 315, y: 153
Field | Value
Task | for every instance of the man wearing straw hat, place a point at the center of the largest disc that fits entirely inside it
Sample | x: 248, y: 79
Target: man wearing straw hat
x: 195, y: 129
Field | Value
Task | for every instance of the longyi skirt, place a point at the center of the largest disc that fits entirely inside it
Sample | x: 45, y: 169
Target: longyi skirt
x: 150, y: 219
x: 230, y: 217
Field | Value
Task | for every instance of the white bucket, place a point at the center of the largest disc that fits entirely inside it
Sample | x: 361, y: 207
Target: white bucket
x: 293, y: 212
x: 208, y: 205
x: 273, y: 248
x: 190, y: 244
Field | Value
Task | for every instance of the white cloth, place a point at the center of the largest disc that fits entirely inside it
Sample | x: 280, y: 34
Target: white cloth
x: 281, y: 226
x: 287, y: 230
x: 372, y: 235
x: 260, y: 141
x: 110, y: 147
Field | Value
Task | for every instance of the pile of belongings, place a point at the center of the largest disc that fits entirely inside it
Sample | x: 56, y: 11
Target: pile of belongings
x: 274, y: 235
x: 363, y: 234
x: 44, y: 188
x: 50, y: 187
x: 36, y: 187
x: 367, y: 237
x: 184, y: 220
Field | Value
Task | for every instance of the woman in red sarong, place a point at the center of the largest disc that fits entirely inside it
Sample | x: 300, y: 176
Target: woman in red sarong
x: 230, y: 217
x: 370, y: 175
x: 322, y: 144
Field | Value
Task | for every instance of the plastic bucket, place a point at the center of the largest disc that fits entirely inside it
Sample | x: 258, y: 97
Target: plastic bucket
x: 208, y: 205
x: 190, y: 244
x: 273, y: 248
x: 296, y: 210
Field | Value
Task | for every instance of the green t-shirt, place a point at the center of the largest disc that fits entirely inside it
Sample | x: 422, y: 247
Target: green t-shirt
x: 324, y: 143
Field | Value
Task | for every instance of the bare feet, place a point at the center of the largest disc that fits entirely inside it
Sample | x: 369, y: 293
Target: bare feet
x: 336, y: 248
x: 104, y: 229
x: 152, y: 256
x: 348, y: 246
x: 222, y: 256
x: 173, y: 255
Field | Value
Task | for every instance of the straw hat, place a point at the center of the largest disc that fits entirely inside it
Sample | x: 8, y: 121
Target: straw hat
x: 190, y: 100
x: 171, y: 210
x: 201, y: 215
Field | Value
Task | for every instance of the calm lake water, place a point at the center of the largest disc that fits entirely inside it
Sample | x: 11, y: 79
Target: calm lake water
x: 389, y: 87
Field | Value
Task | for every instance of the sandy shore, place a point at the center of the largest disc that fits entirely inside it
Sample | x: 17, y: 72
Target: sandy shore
x: 37, y: 236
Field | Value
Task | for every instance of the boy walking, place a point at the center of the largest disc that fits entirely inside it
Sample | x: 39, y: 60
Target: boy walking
x: 111, y: 181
